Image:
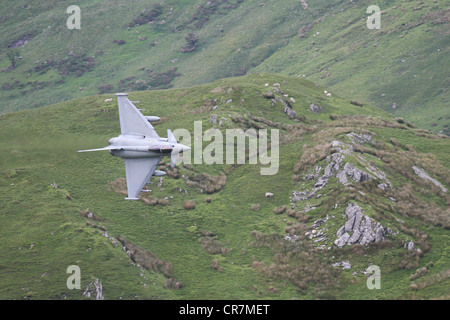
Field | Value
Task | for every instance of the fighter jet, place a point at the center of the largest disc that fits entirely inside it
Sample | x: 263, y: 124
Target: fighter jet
x: 140, y: 146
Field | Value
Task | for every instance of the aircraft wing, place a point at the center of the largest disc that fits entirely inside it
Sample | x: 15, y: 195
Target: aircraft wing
x: 139, y: 171
x: 132, y: 121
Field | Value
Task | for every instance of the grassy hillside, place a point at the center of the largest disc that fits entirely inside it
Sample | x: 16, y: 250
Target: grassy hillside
x: 144, y: 45
x: 401, y: 67
x: 128, y: 41
x: 62, y: 208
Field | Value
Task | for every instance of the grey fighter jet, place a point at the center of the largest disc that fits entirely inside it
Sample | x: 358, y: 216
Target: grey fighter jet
x: 140, y: 146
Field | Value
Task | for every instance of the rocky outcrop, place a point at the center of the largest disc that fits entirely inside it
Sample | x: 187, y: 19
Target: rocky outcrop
x: 315, y: 108
x: 421, y: 173
x: 351, y: 171
x: 213, y: 118
x: 290, y: 112
x: 95, y: 289
x: 359, y: 138
x: 359, y: 228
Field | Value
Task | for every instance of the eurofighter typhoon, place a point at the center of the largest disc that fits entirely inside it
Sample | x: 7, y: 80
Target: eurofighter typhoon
x: 140, y: 146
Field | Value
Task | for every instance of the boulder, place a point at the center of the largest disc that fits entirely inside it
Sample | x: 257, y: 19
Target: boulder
x: 315, y: 108
x: 342, y: 240
x: 213, y: 118
x: 290, y: 112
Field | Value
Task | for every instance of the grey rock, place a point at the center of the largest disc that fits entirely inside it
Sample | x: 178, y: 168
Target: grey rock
x: 379, y: 233
x: 349, y: 224
x: 342, y: 177
x: 340, y: 232
x: 342, y: 240
x: 290, y: 112
x: 357, y: 223
x: 344, y: 264
x: 355, y: 173
x: 321, y: 182
x: 421, y: 173
x: 315, y: 108
x: 213, y: 118
x: 354, y: 238
x: 359, y: 138
x: 318, y: 222
x: 359, y: 228
x: 367, y: 237
x: 382, y: 186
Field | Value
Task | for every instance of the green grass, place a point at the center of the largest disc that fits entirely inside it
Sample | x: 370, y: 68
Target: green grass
x: 42, y: 231
x: 403, y: 62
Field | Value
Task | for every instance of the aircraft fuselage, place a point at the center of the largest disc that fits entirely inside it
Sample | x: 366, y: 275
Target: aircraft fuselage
x: 132, y: 147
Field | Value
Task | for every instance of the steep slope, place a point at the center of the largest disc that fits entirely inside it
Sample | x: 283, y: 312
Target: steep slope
x: 142, y: 45
x: 209, y: 231
x: 401, y: 67
x: 135, y: 45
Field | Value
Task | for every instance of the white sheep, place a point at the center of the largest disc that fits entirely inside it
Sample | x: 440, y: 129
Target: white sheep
x: 269, y: 194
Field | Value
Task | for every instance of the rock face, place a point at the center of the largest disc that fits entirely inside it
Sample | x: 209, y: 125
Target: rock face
x: 356, y: 174
x: 359, y: 228
x: 421, y: 173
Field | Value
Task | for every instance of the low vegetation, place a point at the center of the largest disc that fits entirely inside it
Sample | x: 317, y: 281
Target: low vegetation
x: 221, y: 230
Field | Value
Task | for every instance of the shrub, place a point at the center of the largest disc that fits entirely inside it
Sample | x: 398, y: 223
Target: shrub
x: 215, y: 265
x: 256, y: 207
x: 172, y: 283
x: 146, y: 259
x: 191, y: 42
x: 162, y: 80
x: 419, y: 273
x: 214, y: 246
x: 155, y: 201
x: 105, y: 88
x: 297, y: 263
x: 411, y: 125
x: 279, y: 210
x: 146, y: 18
x: 356, y: 103
x: 189, y: 205
x: 207, y: 183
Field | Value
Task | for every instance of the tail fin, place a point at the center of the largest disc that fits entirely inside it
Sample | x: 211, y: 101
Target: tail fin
x: 170, y: 137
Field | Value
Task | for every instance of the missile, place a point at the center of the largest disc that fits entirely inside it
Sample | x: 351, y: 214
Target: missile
x: 152, y: 118
x: 159, y: 173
